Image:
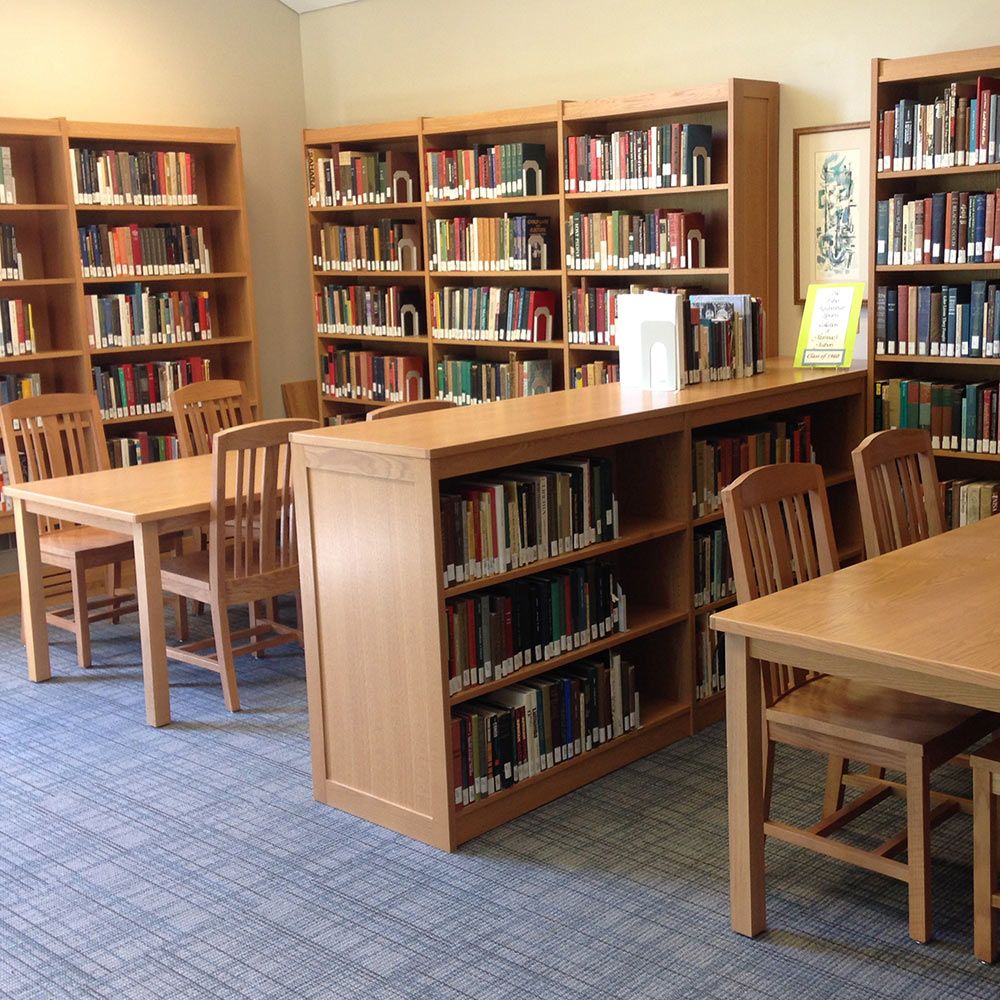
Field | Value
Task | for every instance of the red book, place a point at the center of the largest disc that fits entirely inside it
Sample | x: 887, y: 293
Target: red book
x: 128, y: 370
x: 457, y: 769
x: 674, y: 236
x: 985, y: 87
x: 197, y: 369
x: 470, y: 608
x: 154, y: 386
x: 540, y: 325
x: 928, y: 233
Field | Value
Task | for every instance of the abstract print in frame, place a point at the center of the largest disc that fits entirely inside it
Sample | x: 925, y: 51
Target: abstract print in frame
x: 830, y: 196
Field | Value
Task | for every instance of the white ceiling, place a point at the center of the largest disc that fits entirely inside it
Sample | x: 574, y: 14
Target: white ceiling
x: 304, y: 6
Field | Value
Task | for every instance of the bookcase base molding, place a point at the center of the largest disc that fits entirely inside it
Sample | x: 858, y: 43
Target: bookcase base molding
x: 385, y: 703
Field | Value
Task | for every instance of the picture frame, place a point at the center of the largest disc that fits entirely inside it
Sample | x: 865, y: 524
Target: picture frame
x: 831, y: 167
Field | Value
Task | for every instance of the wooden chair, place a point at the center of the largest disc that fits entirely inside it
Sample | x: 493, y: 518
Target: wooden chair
x: 402, y: 409
x: 301, y: 399
x: 985, y: 790
x: 202, y: 409
x: 897, y: 489
x: 61, y: 434
x: 251, y: 553
x: 778, y: 523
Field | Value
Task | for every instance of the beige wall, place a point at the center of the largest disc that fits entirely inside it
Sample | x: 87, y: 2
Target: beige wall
x: 383, y: 59
x: 188, y: 62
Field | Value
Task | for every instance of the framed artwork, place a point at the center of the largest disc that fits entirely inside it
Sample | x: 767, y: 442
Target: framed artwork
x: 831, y: 165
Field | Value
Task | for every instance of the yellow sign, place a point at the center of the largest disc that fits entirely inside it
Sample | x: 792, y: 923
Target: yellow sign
x: 829, y: 325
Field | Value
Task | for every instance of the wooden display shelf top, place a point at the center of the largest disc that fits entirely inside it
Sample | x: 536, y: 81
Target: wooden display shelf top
x: 646, y: 192
x: 463, y: 430
x: 644, y: 621
x: 30, y: 126
x: 404, y: 129
x: 706, y: 98
x: 84, y: 132
x: 964, y: 62
x: 492, y: 121
x: 640, y: 531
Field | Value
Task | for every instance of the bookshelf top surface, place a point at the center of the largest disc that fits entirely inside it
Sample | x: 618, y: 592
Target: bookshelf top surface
x: 29, y: 127
x: 406, y: 129
x: 964, y: 62
x: 441, y: 433
x: 109, y: 132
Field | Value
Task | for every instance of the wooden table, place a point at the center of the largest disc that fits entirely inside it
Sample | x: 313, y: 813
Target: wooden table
x: 143, y: 501
x: 924, y: 619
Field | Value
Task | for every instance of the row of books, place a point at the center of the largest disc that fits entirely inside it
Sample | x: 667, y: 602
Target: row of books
x: 140, y: 316
x: 383, y: 245
x: 503, y: 521
x: 359, y: 177
x: 20, y: 386
x: 626, y: 241
x: 947, y: 227
x: 709, y: 659
x: 504, y: 170
x: 967, y: 501
x: 713, y: 566
x: 370, y: 310
x: 17, y: 328
x: 957, y: 129
x: 142, y: 448
x: 592, y: 313
x: 164, y: 248
x: 508, y: 243
x: 143, y: 177
x: 494, y: 633
x: 594, y: 373
x: 960, y: 417
x: 720, y: 459
x: 528, y: 728
x: 8, y: 186
x: 465, y: 381
x: 675, y: 155
x: 11, y: 263
x: 726, y: 338
x: 131, y: 390
x: 493, y: 313
x: 938, y: 321
x: 349, y: 374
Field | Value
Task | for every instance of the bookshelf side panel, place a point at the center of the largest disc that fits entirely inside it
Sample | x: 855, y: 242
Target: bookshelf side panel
x: 373, y: 651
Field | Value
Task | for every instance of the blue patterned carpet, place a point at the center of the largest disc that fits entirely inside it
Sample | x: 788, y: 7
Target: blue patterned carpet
x: 192, y: 862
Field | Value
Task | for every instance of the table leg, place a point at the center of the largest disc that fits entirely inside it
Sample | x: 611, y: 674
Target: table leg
x: 748, y: 912
x: 29, y: 562
x: 149, y: 593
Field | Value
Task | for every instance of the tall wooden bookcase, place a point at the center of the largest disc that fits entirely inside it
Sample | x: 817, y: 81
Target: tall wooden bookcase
x: 923, y: 78
x: 46, y: 221
x: 380, y: 705
x: 740, y: 206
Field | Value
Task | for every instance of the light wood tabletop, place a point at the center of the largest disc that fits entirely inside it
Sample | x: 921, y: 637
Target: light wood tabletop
x: 921, y: 619
x: 143, y: 501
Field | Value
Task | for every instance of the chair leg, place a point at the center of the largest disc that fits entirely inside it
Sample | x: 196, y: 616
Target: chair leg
x: 984, y: 867
x: 918, y: 848
x: 224, y: 654
x: 78, y: 583
x: 833, y: 797
x: 199, y: 608
x: 298, y: 611
x: 255, y: 620
x: 272, y: 609
x: 768, y: 775
x: 180, y: 603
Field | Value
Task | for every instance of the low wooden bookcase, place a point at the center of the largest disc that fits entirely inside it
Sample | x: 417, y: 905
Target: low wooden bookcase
x: 374, y: 598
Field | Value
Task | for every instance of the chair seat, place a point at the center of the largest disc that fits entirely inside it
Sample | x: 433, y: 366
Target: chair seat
x: 872, y: 714
x: 68, y: 543
x: 189, y: 571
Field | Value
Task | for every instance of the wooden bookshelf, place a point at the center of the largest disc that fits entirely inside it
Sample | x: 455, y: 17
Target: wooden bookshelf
x: 376, y: 642
x: 740, y: 207
x: 220, y: 209
x: 922, y: 78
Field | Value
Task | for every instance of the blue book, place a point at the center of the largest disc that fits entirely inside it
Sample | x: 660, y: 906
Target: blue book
x: 882, y: 233
x: 923, y: 319
x: 950, y: 312
x: 977, y: 317
x: 937, y: 227
x: 977, y: 211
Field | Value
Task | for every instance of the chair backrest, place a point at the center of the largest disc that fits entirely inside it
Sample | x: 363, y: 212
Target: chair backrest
x: 58, y: 434
x: 402, y: 409
x: 202, y: 409
x: 898, y: 489
x: 252, y: 510
x: 301, y: 399
x: 780, y: 534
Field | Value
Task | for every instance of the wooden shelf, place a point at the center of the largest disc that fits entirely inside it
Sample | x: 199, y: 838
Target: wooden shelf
x: 927, y: 359
x: 371, y: 338
x: 142, y: 279
x: 15, y: 285
x: 644, y: 621
x: 513, y: 345
x: 111, y: 421
x: 906, y: 268
x: 30, y: 207
x: 707, y: 609
x: 972, y: 170
x: 525, y: 201
x: 368, y: 274
x: 669, y: 272
x: 388, y: 208
x: 347, y: 401
x: 603, y: 348
x: 30, y: 359
x: 156, y: 209
x: 966, y: 456
x: 665, y: 192
x: 636, y: 534
x: 184, y: 345
x: 486, y: 277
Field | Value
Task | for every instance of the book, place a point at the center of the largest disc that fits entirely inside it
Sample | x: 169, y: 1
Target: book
x: 626, y: 241
x: 138, y: 315
x: 17, y: 328
x: 141, y: 388
x: 466, y: 381
x: 713, y: 568
x: 383, y: 245
x: 727, y: 338
x: 370, y: 375
x: 709, y: 659
x: 8, y: 185
x: 594, y: 373
x: 505, y: 243
x: 370, y: 310
x: 485, y: 171
x: 137, y: 177
x: 141, y: 449
x: 133, y: 250
x: 344, y: 177
x: 11, y: 262
x: 493, y: 313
